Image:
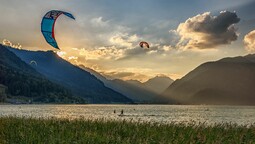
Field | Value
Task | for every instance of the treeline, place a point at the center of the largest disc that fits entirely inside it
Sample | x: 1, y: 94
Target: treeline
x: 37, y: 88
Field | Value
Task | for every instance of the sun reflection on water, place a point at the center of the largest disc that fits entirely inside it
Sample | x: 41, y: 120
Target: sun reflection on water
x: 136, y: 113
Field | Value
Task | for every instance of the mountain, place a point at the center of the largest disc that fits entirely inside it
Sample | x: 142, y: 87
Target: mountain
x: 23, y: 83
x: 79, y: 81
x: 133, y: 89
x: 158, y: 84
x: 229, y: 81
x: 135, y: 83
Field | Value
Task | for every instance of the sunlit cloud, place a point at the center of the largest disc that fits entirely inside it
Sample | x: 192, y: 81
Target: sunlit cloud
x: 152, y: 52
x: 249, y: 41
x: 72, y: 58
x: 124, y: 40
x: 205, y: 31
x: 61, y: 54
x: 139, y: 74
x: 101, y: 53
x: 10, y: 44
x: 105, y: 35
x: 167, y: 48
x: 128, y: 74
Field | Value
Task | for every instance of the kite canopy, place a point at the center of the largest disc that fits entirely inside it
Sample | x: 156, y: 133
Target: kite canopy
x: 143, y: 43
x: 48, y: 25
x: 33, y: 63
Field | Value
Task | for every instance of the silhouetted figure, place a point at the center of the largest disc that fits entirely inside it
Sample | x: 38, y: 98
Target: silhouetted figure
x: 114, y: 111
x: 122, y: 112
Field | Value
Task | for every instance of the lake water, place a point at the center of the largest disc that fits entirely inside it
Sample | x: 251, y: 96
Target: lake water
x: 141, y: 113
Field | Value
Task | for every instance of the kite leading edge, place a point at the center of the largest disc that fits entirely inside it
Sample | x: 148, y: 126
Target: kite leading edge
x: 48, y: 26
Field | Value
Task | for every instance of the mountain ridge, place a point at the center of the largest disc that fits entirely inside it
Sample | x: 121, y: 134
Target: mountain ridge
x: 79, y: 81
x: 25, y: 84
x: 227, y: 81
x: 133, y: 89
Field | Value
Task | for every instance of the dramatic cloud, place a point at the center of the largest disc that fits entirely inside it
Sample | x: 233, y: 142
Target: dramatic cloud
x: 106, y: 34
x: 249, y: 41
x: 206, y: 31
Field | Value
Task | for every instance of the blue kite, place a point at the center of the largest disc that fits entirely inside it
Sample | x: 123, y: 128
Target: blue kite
x: 48, y: 25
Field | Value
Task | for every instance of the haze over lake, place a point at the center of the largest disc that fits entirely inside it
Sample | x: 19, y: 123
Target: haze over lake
x: 143, y: 113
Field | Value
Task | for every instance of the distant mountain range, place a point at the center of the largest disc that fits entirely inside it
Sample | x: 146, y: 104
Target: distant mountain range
x: 229, y: 81
x: 48, y: 78
x: 148, y: 92
x: 21, y: 83
x: 79, y: 81
x: 158, y: 84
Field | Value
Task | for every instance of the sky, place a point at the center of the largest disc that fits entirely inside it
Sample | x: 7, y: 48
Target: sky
x: 106, y: 33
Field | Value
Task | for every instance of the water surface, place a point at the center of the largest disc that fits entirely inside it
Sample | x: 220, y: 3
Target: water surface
x: 141, y: 113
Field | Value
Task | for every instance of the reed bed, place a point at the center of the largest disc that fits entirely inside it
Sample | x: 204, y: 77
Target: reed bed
x: 14, y: 130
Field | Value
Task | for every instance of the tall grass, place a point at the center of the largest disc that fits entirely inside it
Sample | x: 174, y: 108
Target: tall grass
x: 54, y: 131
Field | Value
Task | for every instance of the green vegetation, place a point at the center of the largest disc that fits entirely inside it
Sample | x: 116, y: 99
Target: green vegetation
x: 51, y: 131
x: 2, y: 93
x: 31, y: 86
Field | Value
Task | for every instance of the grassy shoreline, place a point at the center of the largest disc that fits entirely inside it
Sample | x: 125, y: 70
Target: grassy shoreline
x: 51, y: 131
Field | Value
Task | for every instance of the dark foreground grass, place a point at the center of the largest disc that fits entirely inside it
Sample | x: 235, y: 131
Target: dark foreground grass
x: 54, y: 131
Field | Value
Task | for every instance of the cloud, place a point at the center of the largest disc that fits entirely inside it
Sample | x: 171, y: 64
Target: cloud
x: 61, y: 54
x: 140, y: 74
x: 72, y: 58
x: 205, y: 31
x: 99, y: 22
x: 95, y: 54
x: 249, y: 41
x: 167, y: 48
x: 124, y: 40
x: 9, y: 43
x: 155, y: 49
x: 119, y: 74
x: 125, y: 74
x: 98, y: 53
